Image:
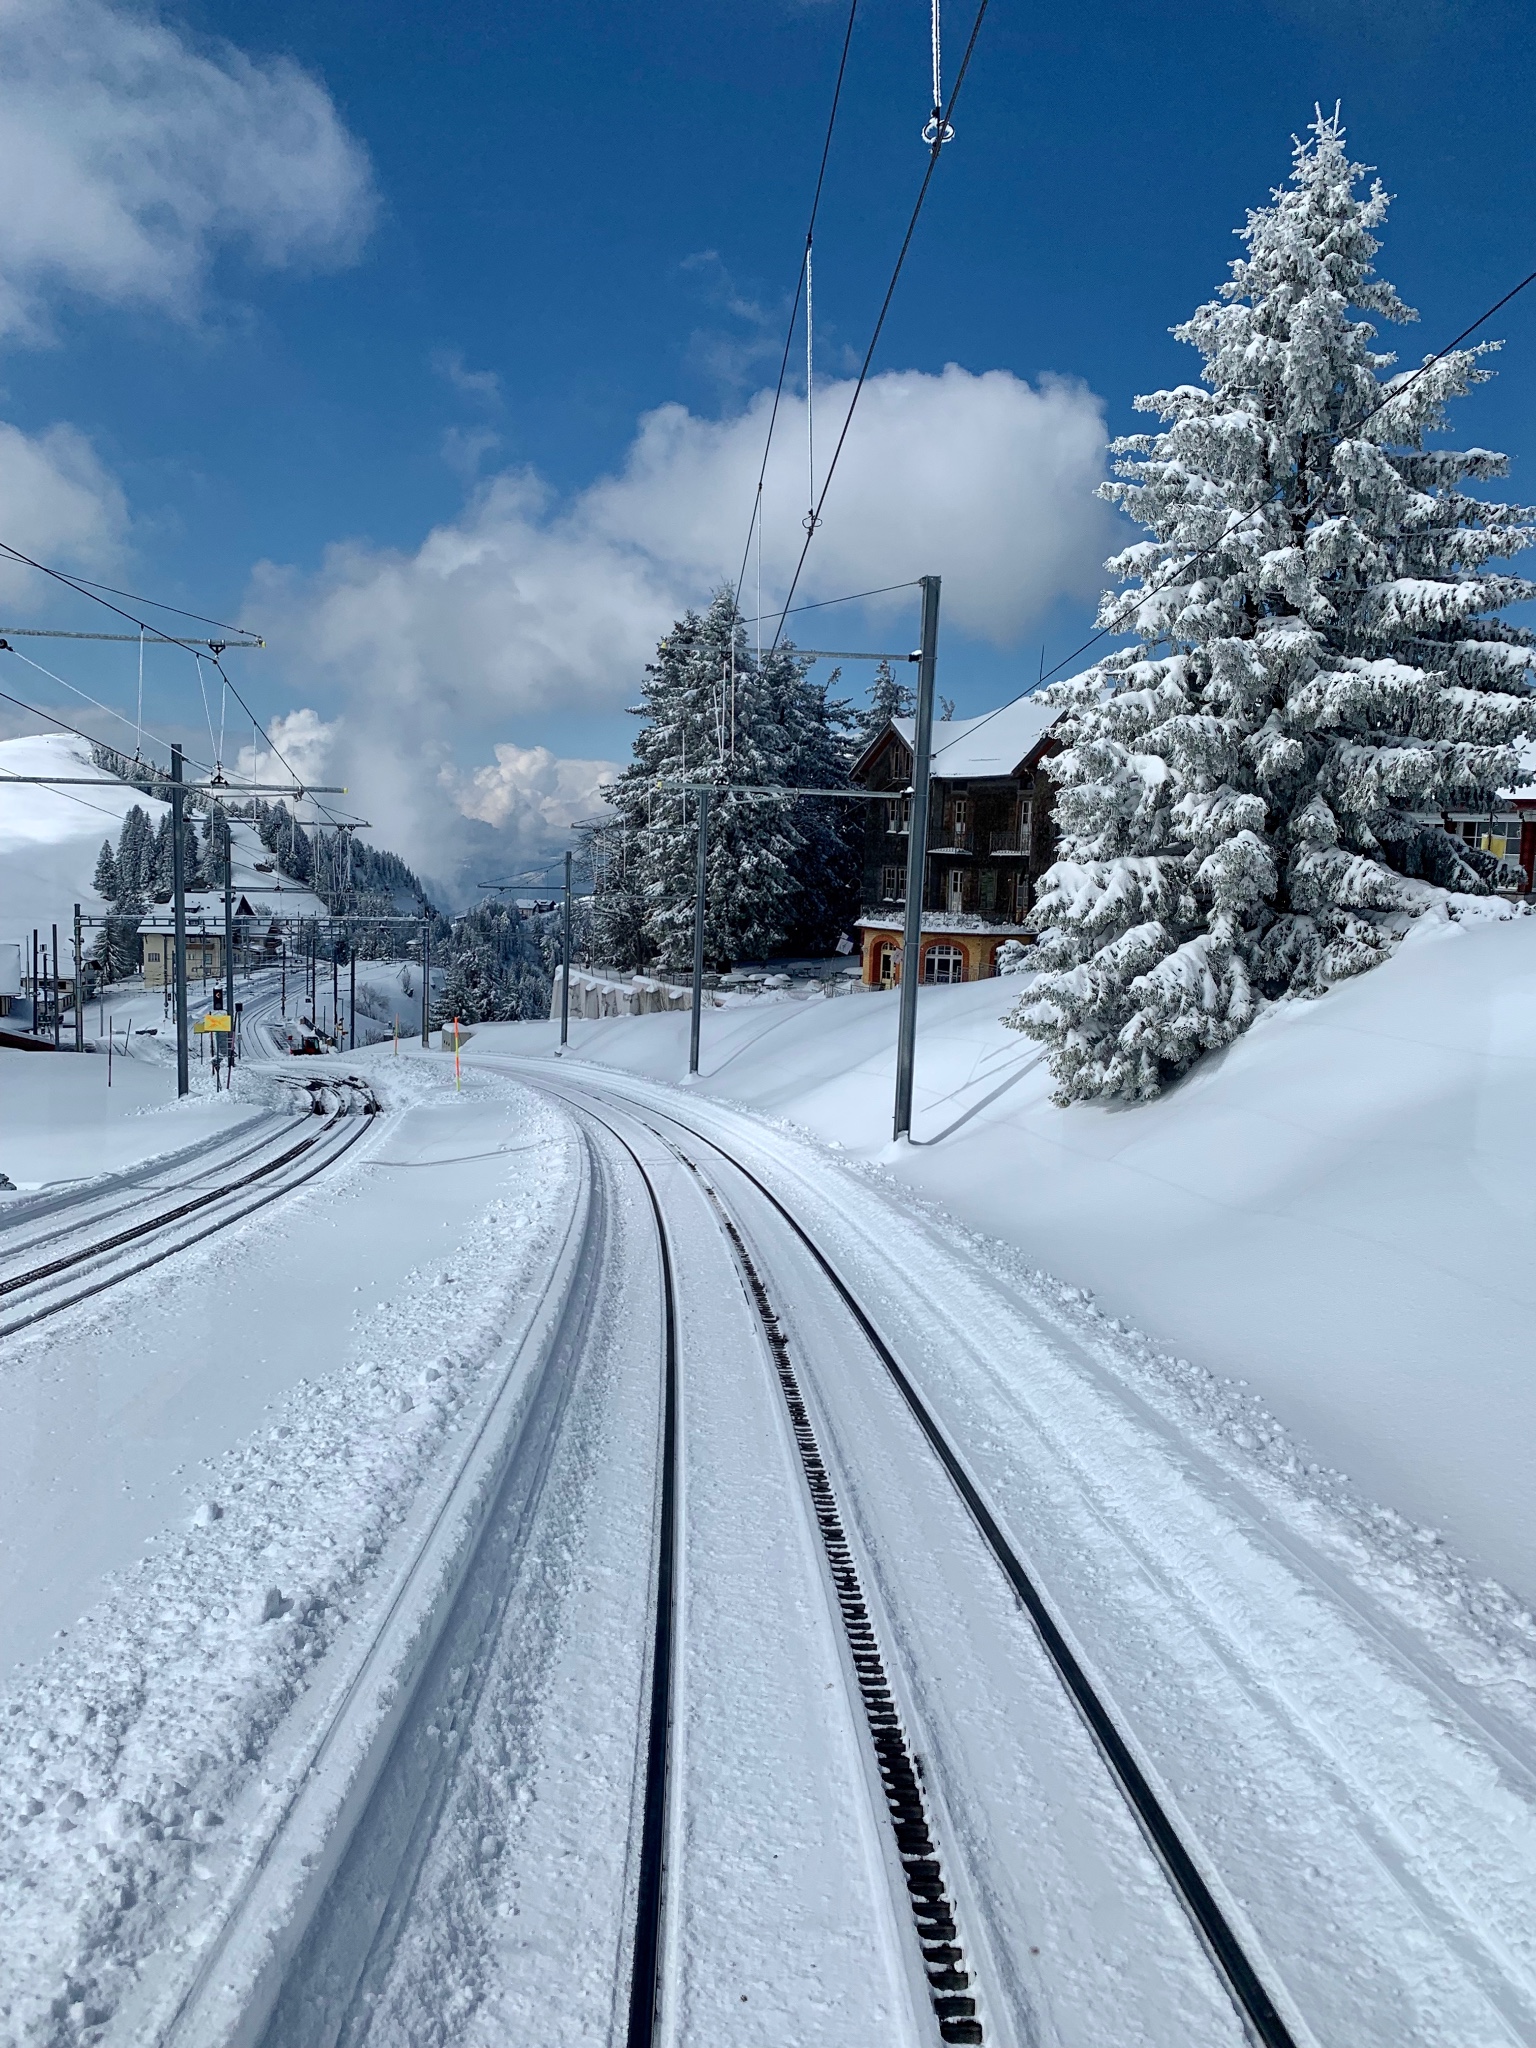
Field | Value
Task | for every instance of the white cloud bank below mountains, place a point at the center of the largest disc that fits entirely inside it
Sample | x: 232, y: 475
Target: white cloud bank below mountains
x: 129, y: 157
x: 525, y: 607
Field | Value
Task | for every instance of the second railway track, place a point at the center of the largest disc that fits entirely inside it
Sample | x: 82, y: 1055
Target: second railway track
x: 99, y: 1251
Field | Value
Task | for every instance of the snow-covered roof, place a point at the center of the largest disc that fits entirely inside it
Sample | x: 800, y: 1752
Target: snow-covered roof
x: 968, y: 749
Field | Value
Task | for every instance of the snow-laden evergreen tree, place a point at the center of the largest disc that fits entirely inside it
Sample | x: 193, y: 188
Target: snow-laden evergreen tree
x: 135, y: 856
x: 779, y: 872
x: 1251, y: 800
x: 888, y: 699
x: 105, y: 880
x: 495, y: 965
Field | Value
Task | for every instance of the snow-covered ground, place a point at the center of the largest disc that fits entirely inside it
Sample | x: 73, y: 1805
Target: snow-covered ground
x: 50, y: 837
x: 200, y: 1474
x: 1308, y: 1261
x: 1336, y: 1213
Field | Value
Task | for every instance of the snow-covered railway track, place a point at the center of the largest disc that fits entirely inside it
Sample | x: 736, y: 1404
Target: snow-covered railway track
x: 85, y: 1261
x: 1243, y: 1981
x: 949, y: 1969
x: 1352, y: 1791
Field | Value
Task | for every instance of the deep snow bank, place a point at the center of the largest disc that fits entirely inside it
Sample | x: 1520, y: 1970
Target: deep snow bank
x: 1338, y: 1210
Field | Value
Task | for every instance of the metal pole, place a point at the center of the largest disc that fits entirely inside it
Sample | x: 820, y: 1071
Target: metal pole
x: 179, y: 893
x: 79, y: 988
x: 351, y: 995
x: 335, y: 997
x: 57, y: 991
x: 917, y: 861
x: 699, y: 891
x: 426, y: 982
x: 565, y: 959
x: 229, y: 932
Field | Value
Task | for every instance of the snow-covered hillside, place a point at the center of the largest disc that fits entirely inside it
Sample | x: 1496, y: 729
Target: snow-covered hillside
x: 1337, y: 1211
x: 50, y: 837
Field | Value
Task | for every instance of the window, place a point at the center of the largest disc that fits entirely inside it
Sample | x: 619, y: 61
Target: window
x: 988, y: 891
x: 893, y: 884
x: 898, y: 814
x: 954, y: 894
x: 890, y: 965
x: 960, y: 811
x: 944, y: 963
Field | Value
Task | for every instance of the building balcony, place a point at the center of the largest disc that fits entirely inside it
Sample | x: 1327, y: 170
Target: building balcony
x: 952, y: 839
x: 1015, y: 840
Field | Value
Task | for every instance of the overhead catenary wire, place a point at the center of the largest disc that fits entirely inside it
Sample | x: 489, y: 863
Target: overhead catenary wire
x: 96, y: 705
x: 755, y: 524
x: 821, y: 603
x: 935, y: 150
x: 89, y: 589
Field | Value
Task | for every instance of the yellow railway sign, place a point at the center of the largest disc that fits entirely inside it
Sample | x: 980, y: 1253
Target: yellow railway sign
x: 216, y: 1020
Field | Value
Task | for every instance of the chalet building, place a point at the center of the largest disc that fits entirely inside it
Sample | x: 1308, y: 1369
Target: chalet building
x: 157, y: 945
x: 989, y: 840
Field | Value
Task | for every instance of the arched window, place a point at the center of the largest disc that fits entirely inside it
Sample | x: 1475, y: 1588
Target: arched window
x: 944, y: 963
x: 890, y: 965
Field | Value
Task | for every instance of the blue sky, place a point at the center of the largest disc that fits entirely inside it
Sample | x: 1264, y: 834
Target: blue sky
x: 405, y: 281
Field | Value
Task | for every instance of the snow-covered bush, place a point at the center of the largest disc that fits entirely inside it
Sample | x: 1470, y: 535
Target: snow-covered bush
x: 1251, y: 798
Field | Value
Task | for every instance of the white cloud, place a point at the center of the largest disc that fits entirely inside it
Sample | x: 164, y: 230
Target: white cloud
x: 128, y: 157
x: 531, y: 788
x: 523, y: 607
x: 59, y: 504
x: 302, y: 744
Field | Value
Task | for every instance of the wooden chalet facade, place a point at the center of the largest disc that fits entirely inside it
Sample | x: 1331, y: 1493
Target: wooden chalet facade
x: 990, y: 839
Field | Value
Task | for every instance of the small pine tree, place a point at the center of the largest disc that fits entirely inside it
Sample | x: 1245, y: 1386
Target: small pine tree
x: 161, y: 874
x: 106, y: 881
x: 1251, y: 799
x: 888, y: 700
x: 135, y: 854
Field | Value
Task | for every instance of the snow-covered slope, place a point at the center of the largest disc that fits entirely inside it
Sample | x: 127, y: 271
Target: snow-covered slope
x: 1338, y: 1211
x: 50, y: 837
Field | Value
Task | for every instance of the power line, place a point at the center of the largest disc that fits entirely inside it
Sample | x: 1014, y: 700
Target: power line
x: 87, y: 588
x: 935, y: 150
x: 94, y: 703
x: 794, y: 312
x: 854, y: 597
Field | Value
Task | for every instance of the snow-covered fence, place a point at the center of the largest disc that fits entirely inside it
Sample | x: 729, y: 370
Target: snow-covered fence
x: 607, y: 995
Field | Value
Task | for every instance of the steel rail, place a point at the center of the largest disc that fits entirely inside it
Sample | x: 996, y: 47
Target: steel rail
x: 136, y: 1230
x: 1246, y: 1988
x: 184, y: 1243
x: 650, y: 1890
x: 82, y: 1197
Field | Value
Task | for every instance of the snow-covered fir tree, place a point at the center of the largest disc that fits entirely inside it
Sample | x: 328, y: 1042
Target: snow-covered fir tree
x: 780, y: 873
x: 1251, y: 798
x: 105, y: 880
x: 888, y: 699
x: 496, y: 968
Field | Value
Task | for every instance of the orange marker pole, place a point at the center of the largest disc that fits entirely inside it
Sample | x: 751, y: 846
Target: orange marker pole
x: 455, y: 1052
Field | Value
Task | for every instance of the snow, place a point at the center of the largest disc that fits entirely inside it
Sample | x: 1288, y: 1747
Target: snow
x: 59, y: 1121
x: 50, y: 837
x: 1335, y: 1213
x: 993, y: 744
x: 251, y: 1428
